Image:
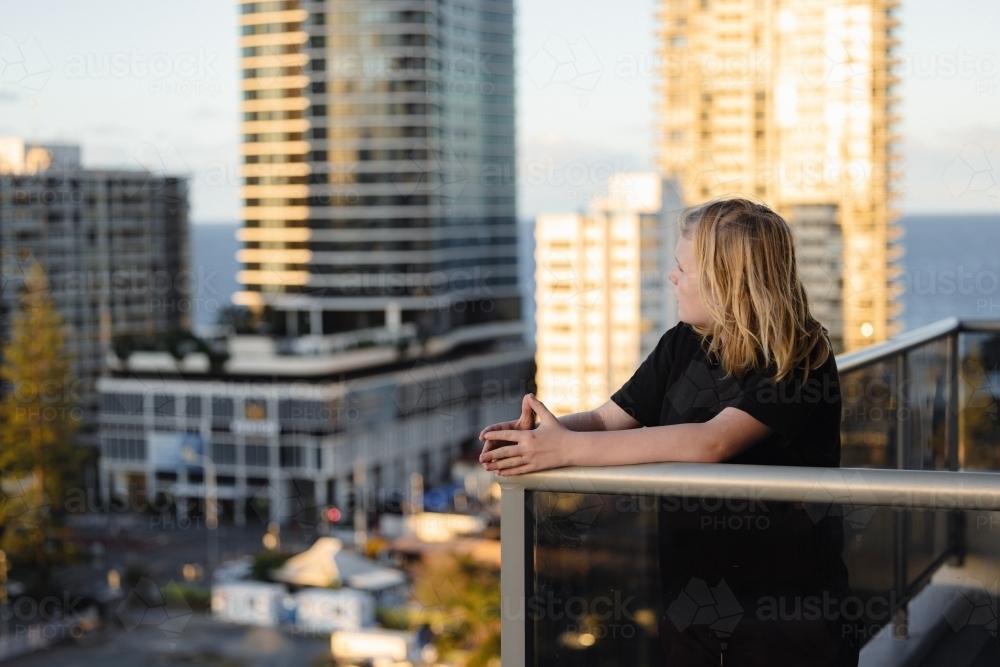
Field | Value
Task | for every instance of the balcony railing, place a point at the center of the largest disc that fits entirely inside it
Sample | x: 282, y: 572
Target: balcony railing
x: 896, y: 554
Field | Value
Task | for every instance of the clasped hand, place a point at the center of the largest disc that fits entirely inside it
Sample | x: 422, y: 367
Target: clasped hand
x: 521, y: 446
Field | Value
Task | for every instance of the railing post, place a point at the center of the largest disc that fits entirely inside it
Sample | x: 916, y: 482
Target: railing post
x: 956, y: 519
x: 902, y: 516
x: 516, y: 560
x: 952, y: 413
x: 903, y: 430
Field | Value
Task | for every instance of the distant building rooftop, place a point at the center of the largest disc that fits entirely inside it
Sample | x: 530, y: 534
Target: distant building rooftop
x: 20, y: 157
x: 370, y: 350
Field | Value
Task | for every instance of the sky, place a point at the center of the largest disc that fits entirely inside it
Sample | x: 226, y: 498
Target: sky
x: 153, y: 83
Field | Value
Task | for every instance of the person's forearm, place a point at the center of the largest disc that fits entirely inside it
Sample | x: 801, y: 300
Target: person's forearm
x: 678, y: 442
x: 583, y: 421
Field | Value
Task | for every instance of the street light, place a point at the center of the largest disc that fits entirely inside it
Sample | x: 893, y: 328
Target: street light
x: 192, y: 457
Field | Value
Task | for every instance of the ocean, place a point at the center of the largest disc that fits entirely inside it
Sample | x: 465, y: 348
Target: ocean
x: 951, y: 267
x: 214, y: 266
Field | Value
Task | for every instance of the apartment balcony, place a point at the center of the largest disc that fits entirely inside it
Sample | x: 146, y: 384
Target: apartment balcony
x: 895, y: 555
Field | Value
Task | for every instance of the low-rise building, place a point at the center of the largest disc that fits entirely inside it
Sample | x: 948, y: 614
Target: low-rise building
x: 285, y: 434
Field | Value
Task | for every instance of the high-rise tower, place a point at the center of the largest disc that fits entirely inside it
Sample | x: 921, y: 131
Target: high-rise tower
x: 792, y: 102
x: 378, y: 147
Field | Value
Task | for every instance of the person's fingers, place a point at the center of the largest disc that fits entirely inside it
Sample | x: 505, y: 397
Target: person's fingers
x: 512, y: 461
x: 526, y: 411
x: 527, y: 419
x: 501, y: 453
x: 496, y: 427
x: 514, y: 436
x: 489, y: 446
x: 542, y: 411
x: 517, y: 470
x: 491, y: 427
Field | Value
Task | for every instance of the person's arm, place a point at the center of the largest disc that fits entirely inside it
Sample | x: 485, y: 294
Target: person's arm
x: 607, y: 417
x: 722, y: 437
x: 552, y: 445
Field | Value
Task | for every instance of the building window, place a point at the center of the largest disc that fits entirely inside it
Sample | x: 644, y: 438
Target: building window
x: 164, y: 405
x: 125, y: 449
x: 291, y: 456
x: 223, y: 453
x: 193, y: 406
x: 256, y: 456
x: 222, y: 408
x: 292, y: 410
x: 121, y: 404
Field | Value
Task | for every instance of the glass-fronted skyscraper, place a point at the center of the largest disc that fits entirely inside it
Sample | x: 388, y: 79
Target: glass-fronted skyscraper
x: 378, y: 148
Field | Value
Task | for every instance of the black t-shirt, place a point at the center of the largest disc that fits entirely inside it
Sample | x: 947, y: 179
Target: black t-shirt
x: 774, y: 551
x: 679, y: 384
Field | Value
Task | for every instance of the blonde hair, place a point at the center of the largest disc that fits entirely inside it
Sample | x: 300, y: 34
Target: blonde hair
x: 749, y: 283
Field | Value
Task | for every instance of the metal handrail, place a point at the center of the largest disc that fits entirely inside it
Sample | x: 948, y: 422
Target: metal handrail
x: 899, y: 344
x: 904, y: 342
x: 850, y: 486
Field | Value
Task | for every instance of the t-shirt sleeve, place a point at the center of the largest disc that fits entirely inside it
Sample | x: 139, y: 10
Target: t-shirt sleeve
x: 641, y: 397
x: 788, y: 405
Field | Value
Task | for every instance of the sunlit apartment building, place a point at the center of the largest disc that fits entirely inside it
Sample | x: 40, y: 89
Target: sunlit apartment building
x: 113, y: 245
x: 602, y: 299
x: 793, y: 103
x: 378, y: 149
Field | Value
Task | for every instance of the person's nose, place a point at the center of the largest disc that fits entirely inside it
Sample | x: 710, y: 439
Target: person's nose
x: 671, y: 277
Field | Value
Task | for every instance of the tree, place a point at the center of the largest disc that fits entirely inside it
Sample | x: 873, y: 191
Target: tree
x: 461, y: 599
x: 38, y: 417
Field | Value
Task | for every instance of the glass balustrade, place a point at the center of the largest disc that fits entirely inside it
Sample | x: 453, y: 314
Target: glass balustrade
x: 738, y: 565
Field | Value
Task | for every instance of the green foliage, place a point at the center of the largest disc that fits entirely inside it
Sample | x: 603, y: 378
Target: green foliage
x: 179, y: 343
x: 239, y: 318
x: 461, y: 602
x: 181, y: 596
x: 265, y: 561
x: 38, y: 417
x: 980, y: 418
